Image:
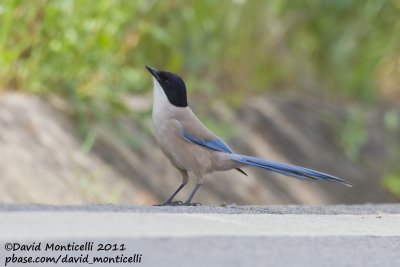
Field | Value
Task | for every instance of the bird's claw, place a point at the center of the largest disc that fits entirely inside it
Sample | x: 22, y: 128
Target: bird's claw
x: 171, y: 203
x: 192, y: 204
x: 178, y: 203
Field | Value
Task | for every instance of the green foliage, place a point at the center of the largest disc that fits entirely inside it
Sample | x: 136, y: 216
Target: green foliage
x: 391, y: 121
x: 345, y: 41
x: 93, y: 53
x: 354, y: 135
x: 392, y: 183
x: 391, y: 179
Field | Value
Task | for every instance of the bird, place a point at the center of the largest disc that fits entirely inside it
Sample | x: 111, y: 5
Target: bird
x: 192, y: 148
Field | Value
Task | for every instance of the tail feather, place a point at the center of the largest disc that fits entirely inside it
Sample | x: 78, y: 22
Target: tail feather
x: 287, y: 169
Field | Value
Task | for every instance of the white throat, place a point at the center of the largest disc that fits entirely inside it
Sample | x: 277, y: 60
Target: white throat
x: 160, y: 99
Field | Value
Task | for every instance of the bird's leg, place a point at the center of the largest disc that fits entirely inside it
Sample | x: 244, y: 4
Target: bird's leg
x: 169, y: 202
x: 198, y: 184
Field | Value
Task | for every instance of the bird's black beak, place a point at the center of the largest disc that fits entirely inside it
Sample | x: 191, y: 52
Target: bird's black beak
x: 154, y: 72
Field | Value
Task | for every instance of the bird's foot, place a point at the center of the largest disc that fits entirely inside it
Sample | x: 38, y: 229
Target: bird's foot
x: 171, y: 203
x: 192, y: 204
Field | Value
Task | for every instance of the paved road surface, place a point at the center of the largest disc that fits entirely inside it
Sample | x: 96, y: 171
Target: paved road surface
x: 363, y: 235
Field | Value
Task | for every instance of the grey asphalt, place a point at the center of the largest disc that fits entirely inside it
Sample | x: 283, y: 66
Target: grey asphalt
x: 228, y: 209
x: 377, y: 243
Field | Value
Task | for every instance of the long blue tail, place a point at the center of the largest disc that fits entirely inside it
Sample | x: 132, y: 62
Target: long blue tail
x: 287, y: 169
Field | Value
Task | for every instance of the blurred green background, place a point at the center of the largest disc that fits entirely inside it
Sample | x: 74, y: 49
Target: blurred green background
x: 93, y: 53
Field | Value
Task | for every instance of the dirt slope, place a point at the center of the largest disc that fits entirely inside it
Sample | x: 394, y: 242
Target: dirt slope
x: 41, y: 159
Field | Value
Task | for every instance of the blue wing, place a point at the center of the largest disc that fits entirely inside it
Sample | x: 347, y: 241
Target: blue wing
x: 216, y: 143
x: 282, y: 168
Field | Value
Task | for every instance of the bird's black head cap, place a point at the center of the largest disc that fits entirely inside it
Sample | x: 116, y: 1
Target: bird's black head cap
x: 173, y: 86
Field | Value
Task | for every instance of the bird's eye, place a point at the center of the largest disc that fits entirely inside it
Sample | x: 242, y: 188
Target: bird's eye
x: 166, y: 81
